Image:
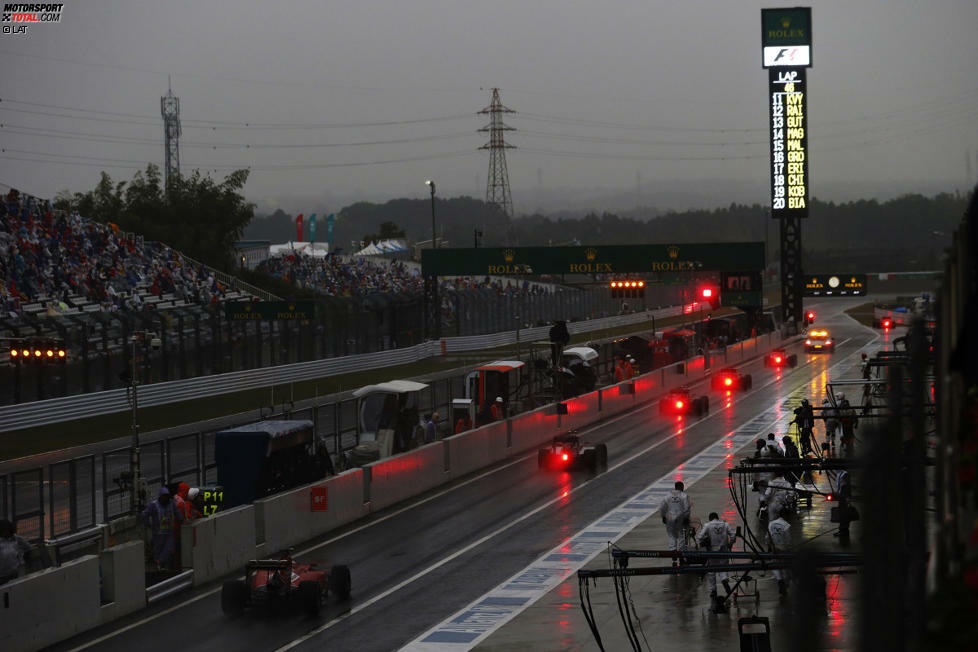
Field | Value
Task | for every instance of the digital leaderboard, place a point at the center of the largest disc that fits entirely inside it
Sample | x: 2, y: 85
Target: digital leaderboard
x: 789, y: 144
x: 786, y: 53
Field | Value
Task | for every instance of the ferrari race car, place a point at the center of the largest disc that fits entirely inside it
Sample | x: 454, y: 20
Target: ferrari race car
x: 729, y: 378
x: 819, y: 341
x: 778, y: 358
x: 282, y: 584
x: 681, y: 401
x: 567, y: 452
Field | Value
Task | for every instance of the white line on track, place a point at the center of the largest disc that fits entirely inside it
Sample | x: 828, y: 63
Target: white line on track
x: 372, y: 523
x: 629, y: 413
x: 380, y: 596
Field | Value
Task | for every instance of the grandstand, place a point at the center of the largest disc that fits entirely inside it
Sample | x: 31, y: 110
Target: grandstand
x: 53, y: 263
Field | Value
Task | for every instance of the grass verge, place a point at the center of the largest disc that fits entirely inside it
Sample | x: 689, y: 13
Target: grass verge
x: 863, y: 313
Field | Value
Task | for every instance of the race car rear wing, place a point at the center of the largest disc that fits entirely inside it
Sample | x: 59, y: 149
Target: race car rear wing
x: 269, y: 564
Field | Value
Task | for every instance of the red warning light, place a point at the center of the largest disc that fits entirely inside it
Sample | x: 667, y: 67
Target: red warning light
x: 886, y: 323
x: 777, y: 359
x: 829, y: 497
x: 728, y: 381
x: 707, y: 293
x: 679, y: 404
x: 565, y: 457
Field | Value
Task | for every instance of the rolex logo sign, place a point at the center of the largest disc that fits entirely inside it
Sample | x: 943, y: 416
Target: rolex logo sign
x: 509, y: 267
x: 590, y: 253
x: 673, y: 251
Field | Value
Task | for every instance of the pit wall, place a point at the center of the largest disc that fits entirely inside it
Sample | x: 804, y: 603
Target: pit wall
x: 52, y: 605
x: 43, y: 608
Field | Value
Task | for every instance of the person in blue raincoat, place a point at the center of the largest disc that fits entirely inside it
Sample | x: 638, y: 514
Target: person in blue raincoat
x: 163, y: 517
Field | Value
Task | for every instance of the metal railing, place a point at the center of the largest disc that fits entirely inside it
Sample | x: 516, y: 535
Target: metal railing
x: 68, y: 408
x: 27, y: 503
x: 232, y: 281
x: 71, y: 496
x: 93, y: 489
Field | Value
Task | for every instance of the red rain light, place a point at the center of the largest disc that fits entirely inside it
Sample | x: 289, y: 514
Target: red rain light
x: 777, y: 358
x: 679, y: 404
x: 728, y: 381
x: 886, y: 323
x: 565, y: 457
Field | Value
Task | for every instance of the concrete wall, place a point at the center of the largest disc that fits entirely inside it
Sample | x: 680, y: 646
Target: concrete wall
x: 531, y: 429
x: 123, y: 580
x: 397, y: 478
x: 216, y: 545
x: 581, y: 410
x: 49, y: 606
x: 477, y: 449
x: 46, y: 607
x: 287, y: 519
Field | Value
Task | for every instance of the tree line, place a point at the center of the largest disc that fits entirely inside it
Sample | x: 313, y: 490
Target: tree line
x: 909, y: 231
x: 196, y: 215
x: 202, y: 218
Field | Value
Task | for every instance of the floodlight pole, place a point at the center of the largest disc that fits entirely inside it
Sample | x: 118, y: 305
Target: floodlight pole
x: 434, y: 240
x: 137, y: 503
x: 138, y: 494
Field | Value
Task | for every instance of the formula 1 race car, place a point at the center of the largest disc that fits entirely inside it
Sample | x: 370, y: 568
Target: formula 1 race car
x: 567, y: 452
x: 778, y: 358
x: 729, y: 378
x: 279, y: 584
x: 680, y: 401
x: 818, y: 342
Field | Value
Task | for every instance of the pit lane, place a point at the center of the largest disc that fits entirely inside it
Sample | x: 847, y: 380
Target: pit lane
x: 415, y: 565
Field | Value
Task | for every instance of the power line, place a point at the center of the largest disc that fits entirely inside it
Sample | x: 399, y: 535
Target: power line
x: 636, y: 157
x: 134, y: 118
x: 93, y: 160
x: 633, y: 141
x: 109, y: 138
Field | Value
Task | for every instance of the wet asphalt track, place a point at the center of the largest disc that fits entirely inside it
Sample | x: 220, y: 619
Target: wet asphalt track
x: 416, y: 564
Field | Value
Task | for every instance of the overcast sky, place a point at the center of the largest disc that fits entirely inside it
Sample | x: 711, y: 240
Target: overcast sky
x: 893, y: 95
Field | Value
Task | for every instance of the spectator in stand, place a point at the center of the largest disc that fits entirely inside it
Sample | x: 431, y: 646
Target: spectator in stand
x: 47, y: 256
